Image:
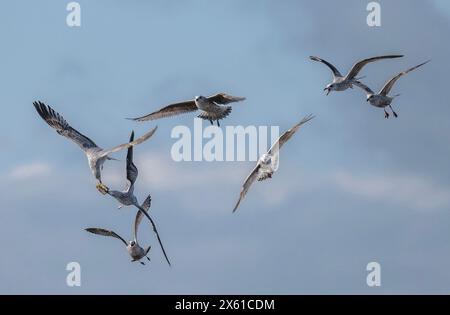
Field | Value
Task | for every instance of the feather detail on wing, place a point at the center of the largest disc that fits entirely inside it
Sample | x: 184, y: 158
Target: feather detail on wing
x: 132, y: 171
x: 333, y: 69
x: 129, y: 144
x: 247, y: 183
x: 357, y: 67
x: 170, y: 110
x: 139, y: 215
x: 223, y: 98
x: 62, y: 127
x: 367, y: 89
x: 287, y: 135
x: 388, y: 86
x: 104, y: 232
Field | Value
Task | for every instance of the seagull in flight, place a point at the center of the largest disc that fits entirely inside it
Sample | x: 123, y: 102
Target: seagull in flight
x: 212, y: 108
x: 133, y: 248
x: 127, y: 197
x: 96, y: 156
x: 342, y: 83
x: 268, y: 162
x: 382, y: 99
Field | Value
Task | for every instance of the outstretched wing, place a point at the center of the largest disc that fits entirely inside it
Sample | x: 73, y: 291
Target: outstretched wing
x: 104, y: 232
x: 357, y: 67
x: 139, y: 215
x: 335, y: 71
x: 129, y: 144
x: 364, y: 87
x: 170, y: 110
x: 144, y: 212
x: 247, y: 183
x: 132, y: 171
x: 223, y: 98
x: 287, y: 135
x: 388, y: 86
x: 62, y: 127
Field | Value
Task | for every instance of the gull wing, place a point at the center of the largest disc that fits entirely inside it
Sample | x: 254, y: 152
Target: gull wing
x: 388, y: 86
x: 357, y: 67
x: 62, y: 127
x: 247, y: 183
x: 287, y: 135
x: 139, y: 215
x: 333, y: 69
x: 223, y: 98
x: 170, y: 110
x: 104, y: 232
x: 156, y: 232
x: 364, y: 87
x: 132, y: 171
x: 129, y: 144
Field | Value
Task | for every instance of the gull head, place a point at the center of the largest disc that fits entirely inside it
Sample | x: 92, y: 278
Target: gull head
x: 329, y: 88
x: 369, y: 97
x: 199, y: 98
x: 266, y: 158
x: 132, y: 243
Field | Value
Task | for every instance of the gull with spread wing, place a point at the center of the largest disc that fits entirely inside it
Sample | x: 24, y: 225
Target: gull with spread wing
x: 341, y: 82
x: 96, y: 156
x: 382, y: 99
x: 268, y: 162
x: 127, y: 197
x: 133, y: 248
x: 211, y: 108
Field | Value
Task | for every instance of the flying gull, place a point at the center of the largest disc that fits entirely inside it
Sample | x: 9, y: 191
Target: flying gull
x: 96, y: 156
x: 381, y: 99
x: 133, y: 248
x: 342, y: 83
x: 211, y: 108
x: 268, y: 162
x: 127, y: 197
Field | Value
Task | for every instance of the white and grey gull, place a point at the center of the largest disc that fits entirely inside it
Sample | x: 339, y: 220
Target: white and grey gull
x: 96, y: 156
x: 344, y: 82
x: 268, y: 162
x: 133, y: 248
x: 128, y: 198
x: 382, y: 99
x: 212, y: 108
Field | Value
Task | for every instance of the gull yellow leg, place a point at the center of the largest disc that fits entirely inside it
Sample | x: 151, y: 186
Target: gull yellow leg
x: 102, y: 188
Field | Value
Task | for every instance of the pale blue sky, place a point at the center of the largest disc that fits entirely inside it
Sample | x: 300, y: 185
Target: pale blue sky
x: 352, y: 187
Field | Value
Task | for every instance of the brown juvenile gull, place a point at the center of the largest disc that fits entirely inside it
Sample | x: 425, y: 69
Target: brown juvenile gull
x: 96, y: 156
x: 342, y: 83
x: 268, y: 162
x: 382, y: 99
x: 133, y: 248
x: 127, y: 197
x: 211, y: 108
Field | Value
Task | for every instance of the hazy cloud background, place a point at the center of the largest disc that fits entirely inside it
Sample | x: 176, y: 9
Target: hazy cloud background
x: 352, y: 187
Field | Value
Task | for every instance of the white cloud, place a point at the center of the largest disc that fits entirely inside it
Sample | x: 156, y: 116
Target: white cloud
x: 30, y: 170
x: 407, y: 190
